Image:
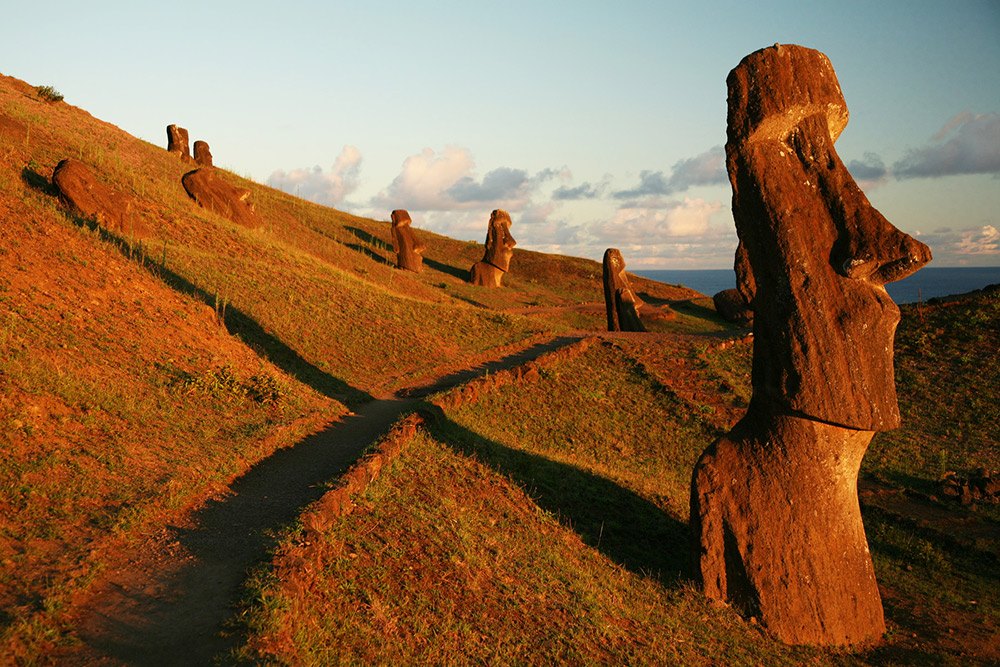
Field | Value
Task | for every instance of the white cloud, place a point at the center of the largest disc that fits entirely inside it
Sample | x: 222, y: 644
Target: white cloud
x: 983, y: 240
x: 326, y: 188
x: 656, y: 221
x: 966, y: 144
x: 708, y: 168
x: 446, y: 181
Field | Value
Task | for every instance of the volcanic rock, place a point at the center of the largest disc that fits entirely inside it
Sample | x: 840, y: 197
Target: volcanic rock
x: 177, y: 142
x: 775, y: 519
x: 499, y: 249
x: 619, y: 298
x: 409, y: 249
x: 732, y: 307
x: 79, y: 189
x: 215, y: 194
x: 202, y: 156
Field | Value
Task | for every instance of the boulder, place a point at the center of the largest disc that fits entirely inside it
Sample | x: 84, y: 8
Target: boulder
x: 409, y: 249
x: 215, y: 194
x: 499, y: 249
x: 620, y: 300
x: 91, y: 198
x: 177, y: 142
x: 732, y: 307
x: 775, y: 520
x: 202, y: 155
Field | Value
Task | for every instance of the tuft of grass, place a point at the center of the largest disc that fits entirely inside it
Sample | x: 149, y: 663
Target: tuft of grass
x: 49, y: 94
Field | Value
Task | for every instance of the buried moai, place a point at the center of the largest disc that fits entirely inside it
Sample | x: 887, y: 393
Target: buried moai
x: 499, y: 249
x: 620, y: 300
x: 776, y: 524
x: 202, y: 154
x: 408, y: 248
x: 177, y: 142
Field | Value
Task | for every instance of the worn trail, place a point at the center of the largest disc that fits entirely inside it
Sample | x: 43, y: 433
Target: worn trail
x: 168, y: 605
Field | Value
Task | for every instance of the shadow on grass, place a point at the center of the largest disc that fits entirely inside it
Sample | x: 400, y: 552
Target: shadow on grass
x: 454, y: 271
x: 626, y: 528
x: 235, y: 320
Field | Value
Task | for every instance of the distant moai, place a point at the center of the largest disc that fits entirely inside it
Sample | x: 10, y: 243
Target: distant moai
x: 620, y: 300
x: 202, y: 155
x: 177, y: 142
x: 775, y: 521
x: 499, y: 249
x: 409, y: 249
x: 211, y: 192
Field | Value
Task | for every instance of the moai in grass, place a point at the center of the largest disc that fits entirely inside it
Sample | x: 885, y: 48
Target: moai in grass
x: 202, y: 154
x: 177, y: 142
x: 409, y: 249
x: 776, y: 525
x: 620, y: 300
x: 499, y: 249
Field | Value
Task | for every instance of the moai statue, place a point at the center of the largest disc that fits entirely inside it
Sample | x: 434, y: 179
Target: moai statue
x: 177, y: 142
x: 499, y: 249
x: 202, y: 155
x: 621, y: 301
x: 409, y: 249
x: 775, y: 521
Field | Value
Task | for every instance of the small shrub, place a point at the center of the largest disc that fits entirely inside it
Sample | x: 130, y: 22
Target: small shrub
x: 49, y: 94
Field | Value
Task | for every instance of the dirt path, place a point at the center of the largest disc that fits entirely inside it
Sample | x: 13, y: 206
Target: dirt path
x: 168, y: 604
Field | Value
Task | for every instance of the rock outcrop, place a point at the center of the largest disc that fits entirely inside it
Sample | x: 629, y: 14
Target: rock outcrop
x: 409, y: 249
x: 215, y: 194
x: 775, y: 520
x: 499, y: 249
x: 177, y: 142
x: 620, y: 300
x: 731, y: 306
x: 79, y: 189
x: 202, y: 155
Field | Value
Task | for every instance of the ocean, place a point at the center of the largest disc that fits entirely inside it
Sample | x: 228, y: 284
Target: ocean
x: 921, y: 286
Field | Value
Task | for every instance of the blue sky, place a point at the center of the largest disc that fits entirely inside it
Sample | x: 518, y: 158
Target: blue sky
x: 595, y: 124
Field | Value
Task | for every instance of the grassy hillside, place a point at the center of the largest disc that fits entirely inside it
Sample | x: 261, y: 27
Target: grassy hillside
x: 145, y: 366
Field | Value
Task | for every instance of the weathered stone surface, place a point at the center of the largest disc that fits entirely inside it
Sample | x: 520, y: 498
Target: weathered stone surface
x: 499, y: 249
x: 215, y: 194
x: 79, y: 188
x: 620, y: 300
x: 177, y: 142
x: 409, y: 249
x: 732, y: 307
x: 202, y: 155
x: 774, y: 512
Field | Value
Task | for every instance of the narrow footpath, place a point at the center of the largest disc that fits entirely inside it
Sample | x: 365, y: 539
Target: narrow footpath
x: 169, y: 604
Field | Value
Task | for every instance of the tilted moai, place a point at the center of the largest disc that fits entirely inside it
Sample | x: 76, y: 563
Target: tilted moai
x: 202, y: 155
x: 776, y: 525
x: 177, y: 142
x: 499, y: 249
x: 409, y: 249
x: 620, y: 300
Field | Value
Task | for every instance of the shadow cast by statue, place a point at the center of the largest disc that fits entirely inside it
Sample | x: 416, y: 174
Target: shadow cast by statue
x: 626, y: 528
x: 454, y: 271
x: 235, y: 320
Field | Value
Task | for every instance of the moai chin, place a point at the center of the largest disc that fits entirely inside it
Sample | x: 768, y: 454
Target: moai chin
x: 409, y: 249
x: 776, y: 525
x: 499, y: 249
x: 620, y: 300
x: 177, y: 142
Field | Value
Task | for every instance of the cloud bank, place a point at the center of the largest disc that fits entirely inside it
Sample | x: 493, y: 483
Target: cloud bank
x: 967, y: 144
x: 326, y: 188
x: 708, y: 168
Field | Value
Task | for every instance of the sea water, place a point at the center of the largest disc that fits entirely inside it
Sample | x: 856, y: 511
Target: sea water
x: 921, y: 286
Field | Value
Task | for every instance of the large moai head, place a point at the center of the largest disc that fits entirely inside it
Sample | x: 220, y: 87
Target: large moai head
x: 177, y: 142
x: 620, y: 299
x: 499, y: 242
x: 818, y: 253
x: 202, y: 154
x: 407, y: 246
